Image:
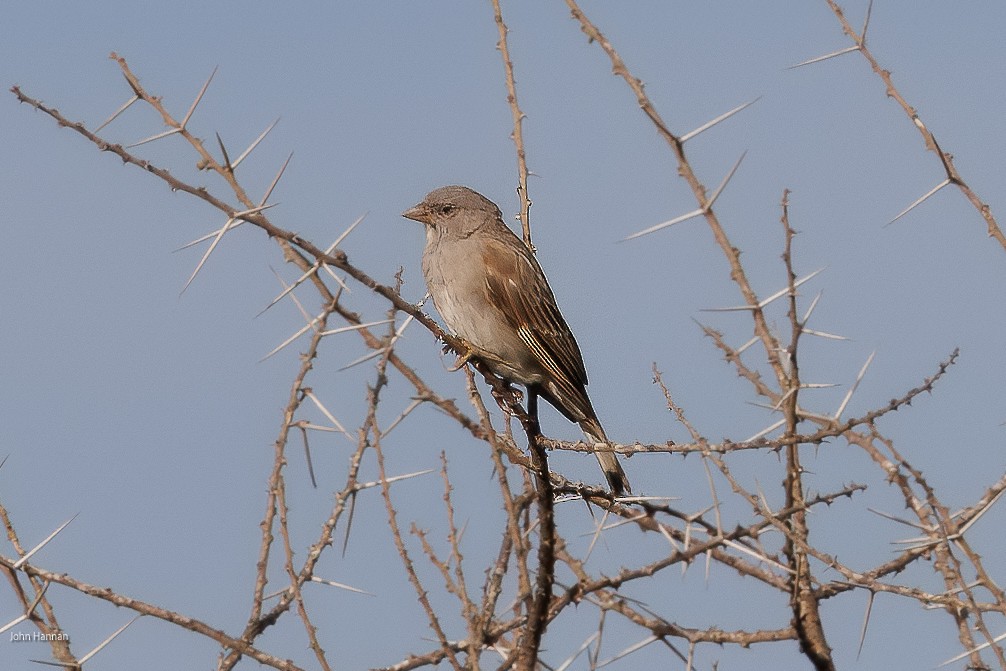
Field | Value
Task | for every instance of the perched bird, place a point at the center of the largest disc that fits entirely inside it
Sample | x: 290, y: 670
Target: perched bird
x: 492, y: 293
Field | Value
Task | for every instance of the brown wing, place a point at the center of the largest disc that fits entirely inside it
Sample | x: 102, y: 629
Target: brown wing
x: 517, y: 285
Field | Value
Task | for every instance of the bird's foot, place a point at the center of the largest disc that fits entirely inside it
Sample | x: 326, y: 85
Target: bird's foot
x: 465, y: 357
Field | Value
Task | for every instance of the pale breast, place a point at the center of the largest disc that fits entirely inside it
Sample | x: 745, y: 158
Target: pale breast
x: 456, y: 279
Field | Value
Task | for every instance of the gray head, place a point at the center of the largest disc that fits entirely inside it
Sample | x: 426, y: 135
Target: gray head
x: 454, y: 209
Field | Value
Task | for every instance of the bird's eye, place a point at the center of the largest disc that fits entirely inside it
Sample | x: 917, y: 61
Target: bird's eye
x: 447, y: 210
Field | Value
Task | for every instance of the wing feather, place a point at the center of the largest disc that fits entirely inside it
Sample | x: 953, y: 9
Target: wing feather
x: 515, y: 283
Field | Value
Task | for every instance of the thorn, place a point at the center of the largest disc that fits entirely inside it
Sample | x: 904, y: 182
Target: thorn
x: 765, y: 431
x: 345, y: 233
x: 396, y: 478
x: 244, y: 214
x: 629, y: 650
x: 919, y: 201
x: 28, y: 611
x: 255, y: 143
x: 20, y: 562
x: 899, y: 520
x: 405, y: 413
x: 356, y: 327
x: 973, y: 650
x: 869, y: 601
x: 723, y: 117
x: 810, y: 310
x: 204, y: 238
x: 108, y: 640
x: 748, y: 551
x: 199, y: 97
x: 296, y: 335
x: 220, y: 234
x: 723, y: 184
x: 382, y: 350
x: 341, y: 281
x: 154, y: 137
x: 862, y: 39
x: 818, y: 59
x: 318, y: 404
x: 855, y: 385
x: 824, y: 334
x: 287, y: 288
x: 275, y: 180
x: 117, y: 112
x: 742, y: 348
x: 223, y: 150
x: 981, y: 512
x: 340, y: 585
x: 762, y: 304
x: 576, y: 653
x: 676, y: 220
x: 363, y: 359
x: 596, y: 535
x: 233, y: 222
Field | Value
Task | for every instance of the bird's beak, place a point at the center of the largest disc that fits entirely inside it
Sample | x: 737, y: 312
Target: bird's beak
x: 418, y: 213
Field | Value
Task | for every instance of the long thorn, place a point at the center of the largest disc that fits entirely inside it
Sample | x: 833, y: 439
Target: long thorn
x: 117, y: 112
x: 199, y: 97
x: 723, y: 184
x: 723, y: 117
x: 206, y: 255
x: 154, y: 137
x: 107, y: 641
x: 818, y: 59
x: 20, y: 562
x: 254, y: 144
x: 223, y: 150
x: 275, y: 180
x: 855, y: 385
x: 921, y: 200
x: 677, y: 220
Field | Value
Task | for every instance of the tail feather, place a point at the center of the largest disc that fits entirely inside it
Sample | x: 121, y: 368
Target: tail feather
x: 608, y: 461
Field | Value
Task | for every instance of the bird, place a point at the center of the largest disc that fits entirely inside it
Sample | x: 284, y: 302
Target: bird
x: 491, y: 292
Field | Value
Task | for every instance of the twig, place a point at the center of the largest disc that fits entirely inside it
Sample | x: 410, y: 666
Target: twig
x: 518, y: 120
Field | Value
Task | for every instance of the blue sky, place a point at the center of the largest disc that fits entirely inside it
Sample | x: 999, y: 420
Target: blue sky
x: 150, y: 415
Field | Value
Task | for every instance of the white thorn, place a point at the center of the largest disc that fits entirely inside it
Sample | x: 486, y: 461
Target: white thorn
x: 117, y: 113
x: 108, y: 640
x: 676, y: 220
x: 296, y: 335
x: 154, y: 137
x: 199, y: 97
x: 762, y: 304
x: 824, y: 334
x: 818, y: 59
x: 716, y: 194
x: 340, y: 585
x: 275, y: 180
x: 20, y: 562
x: 254, y: 144
x: 206, y: 255
x: 723, y: 117
x: 919, y: 201
x: 855, y: 385
x: 765, y: 431
x: 356, y: 327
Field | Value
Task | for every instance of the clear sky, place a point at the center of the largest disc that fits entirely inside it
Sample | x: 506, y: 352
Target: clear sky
x: 150, y: 415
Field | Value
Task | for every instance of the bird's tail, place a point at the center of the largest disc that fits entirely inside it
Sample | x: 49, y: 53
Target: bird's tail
x: 608, y: 460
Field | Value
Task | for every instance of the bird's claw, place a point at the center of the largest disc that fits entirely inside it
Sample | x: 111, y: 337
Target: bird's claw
x: 464, y: 358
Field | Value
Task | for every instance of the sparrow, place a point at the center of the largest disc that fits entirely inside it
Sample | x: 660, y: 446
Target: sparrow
x: 491, y: 292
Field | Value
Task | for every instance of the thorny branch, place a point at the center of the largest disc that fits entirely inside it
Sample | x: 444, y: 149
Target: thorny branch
x: 518, y: 126
x: 946, y: 159
x: 536, y: 573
